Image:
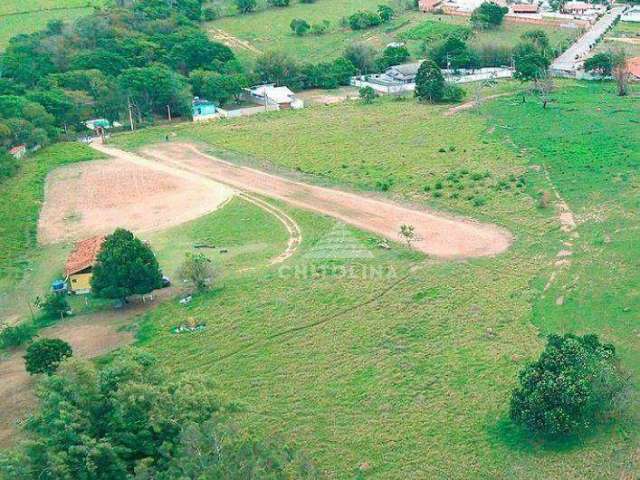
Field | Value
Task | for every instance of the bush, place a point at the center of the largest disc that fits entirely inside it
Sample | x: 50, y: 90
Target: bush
x: 8, y: 164
x: 453, y: 92
x: 489, y: 55
x: 197, y: 271
x: 209, y: 14
x: 569, y: 388
x: 279, y: 3
x: 363, y: 20
x: 453, y: 53
x: 386, y: 13
x: 44, y: 356
x: 299, y: 26
x: 15, y: 336
x: 432, y: 31
x: 367, y: 94
x: 54, y: 306
x: 393, y: 56
x: 488, y: 15
x: 320, y: 28
x: 246, y: 6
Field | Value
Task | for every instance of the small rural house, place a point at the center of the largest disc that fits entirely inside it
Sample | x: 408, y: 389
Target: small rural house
x: 429, y: 5
x: 78, y: 269
x: 18, y: 151
x: 576, y: 8
x: 281, y: 97
x: 202, y: 109
x: 403, y: 74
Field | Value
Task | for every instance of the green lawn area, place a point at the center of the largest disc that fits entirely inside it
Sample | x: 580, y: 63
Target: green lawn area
x: 268, y: 29
x: 626, y: 30
x: 18, y: 17
x: 25, y: 267
x: 397, y: 371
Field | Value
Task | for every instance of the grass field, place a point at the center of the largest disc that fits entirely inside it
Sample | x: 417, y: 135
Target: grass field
x: 398, y: 372
x: 19, y: 252
x: 18, y: 17
x: 623, y: 30
x: 269, y: 30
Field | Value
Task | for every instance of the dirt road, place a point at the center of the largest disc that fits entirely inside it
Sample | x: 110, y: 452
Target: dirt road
x: 437, y: 234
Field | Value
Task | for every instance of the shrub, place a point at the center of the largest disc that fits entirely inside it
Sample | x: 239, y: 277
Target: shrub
x: 209, y: 14
x: 246, y: 6
x: 8, y: 164
x: 386, y: 13
x: 569, y: 388
x: 364, y: 19
x: 393, y: 56
x: 489, y: 55
x: 432, y: 31
x: 299, y: 26
x: 54, y: 306
x: 453, y: 53
x: 367, y: 94
x: 453, y: 92
x: 14, y: 336
x: 488, y: 15
x: 279, y: 3
x: 320, y: 28
x: 197, y: 271
x: 44, y: 356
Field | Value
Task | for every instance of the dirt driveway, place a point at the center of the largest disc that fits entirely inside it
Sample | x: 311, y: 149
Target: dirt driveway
x: 437, y: 234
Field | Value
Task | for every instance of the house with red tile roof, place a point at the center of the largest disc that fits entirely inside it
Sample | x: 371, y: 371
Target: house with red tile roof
x: 79, y: 267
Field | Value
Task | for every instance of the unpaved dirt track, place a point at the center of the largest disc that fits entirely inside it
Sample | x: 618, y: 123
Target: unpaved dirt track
x: 437, y: 234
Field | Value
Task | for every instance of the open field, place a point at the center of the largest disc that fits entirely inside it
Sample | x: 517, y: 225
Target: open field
x: 625, y: 35
x: 249, y: 35
x: 397, y: 372
x: 18, y: 17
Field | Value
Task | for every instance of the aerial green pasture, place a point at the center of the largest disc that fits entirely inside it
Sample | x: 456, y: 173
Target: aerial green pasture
x: 408, y: 375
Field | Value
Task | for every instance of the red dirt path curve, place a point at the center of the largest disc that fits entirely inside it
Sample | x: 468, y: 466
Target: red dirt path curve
x: 437, y: 234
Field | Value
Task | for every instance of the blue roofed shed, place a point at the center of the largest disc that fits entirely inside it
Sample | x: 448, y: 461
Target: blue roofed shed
x: 203, y: 109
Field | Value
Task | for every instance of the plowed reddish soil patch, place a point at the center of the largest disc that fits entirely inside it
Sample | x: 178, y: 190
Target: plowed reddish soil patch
x: 92, y: 198
x: 437, y: 234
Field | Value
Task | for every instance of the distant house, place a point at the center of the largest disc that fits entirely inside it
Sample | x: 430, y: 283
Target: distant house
x: 402, y: 74
x: 271, y: 95
x: 202, y: 109
x: 525, y: 8
x: 577, y: 8
x: 429, y: 5
x: 79, y: 267
x: 18, y: 151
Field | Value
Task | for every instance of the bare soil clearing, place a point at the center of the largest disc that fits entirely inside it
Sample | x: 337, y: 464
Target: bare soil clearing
x: 437, y: 234
x: 95, y: 197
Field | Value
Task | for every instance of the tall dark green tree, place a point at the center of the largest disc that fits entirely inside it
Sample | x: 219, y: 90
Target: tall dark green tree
x: 125, y: 266
x: 44, y: 355
x: 430, y: 84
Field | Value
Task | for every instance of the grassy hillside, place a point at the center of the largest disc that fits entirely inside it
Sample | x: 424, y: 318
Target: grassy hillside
x: 269, y: 30
x: 18, y: 17
x: 396, y: 376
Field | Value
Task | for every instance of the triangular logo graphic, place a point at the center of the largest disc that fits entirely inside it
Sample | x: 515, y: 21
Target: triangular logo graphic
x: 338, y: 244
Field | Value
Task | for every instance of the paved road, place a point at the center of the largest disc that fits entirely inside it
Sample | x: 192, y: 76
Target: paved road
x: 573, y: 57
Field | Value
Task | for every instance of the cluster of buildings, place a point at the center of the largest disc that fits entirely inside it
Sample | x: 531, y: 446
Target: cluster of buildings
x: 255, y: 100
x: 573, y: 14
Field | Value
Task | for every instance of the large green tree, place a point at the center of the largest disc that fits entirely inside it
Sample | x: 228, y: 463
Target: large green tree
x: 430, y: 83
x: 44, y: 355
x: 131, y: 419
x: 488, y: 15
x: 125, y: 266
x: 569, y: 388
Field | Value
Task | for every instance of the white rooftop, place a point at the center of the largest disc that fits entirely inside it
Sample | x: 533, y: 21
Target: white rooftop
x: 273, y: 93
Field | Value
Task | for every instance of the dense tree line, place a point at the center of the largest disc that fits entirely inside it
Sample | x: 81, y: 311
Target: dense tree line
x: 134, y: 57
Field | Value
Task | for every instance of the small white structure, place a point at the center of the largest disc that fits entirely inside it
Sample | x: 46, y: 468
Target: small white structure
x: 270, y: 95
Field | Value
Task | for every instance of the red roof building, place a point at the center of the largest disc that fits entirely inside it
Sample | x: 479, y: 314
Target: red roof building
x: 429, y: 5
x: 525, y: 8
x: 83, y: 255
x: 633, y: 65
